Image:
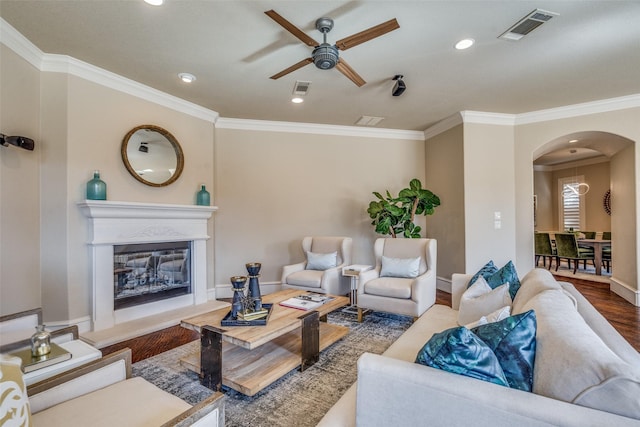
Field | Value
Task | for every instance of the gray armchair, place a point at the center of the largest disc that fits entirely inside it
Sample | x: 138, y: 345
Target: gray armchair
x: 404, y: 279
x: 322, y: 269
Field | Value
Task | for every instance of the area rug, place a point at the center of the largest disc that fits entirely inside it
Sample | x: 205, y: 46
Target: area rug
x: 299, y: 398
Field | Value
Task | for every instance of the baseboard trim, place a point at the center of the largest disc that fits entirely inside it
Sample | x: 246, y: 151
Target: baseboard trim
x: 622, y: 289
x: 443, y: 284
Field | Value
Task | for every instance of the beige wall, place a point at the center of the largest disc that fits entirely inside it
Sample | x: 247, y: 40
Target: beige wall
x: 444, y: 174
x: 84, y: 124
x: 19, y: 185
x: 274, y: 188
x: 546, y: 217
x: 489, y: 187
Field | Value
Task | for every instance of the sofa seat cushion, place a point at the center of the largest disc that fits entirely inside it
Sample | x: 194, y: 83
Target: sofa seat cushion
x: 308, y: 278
x: 390, y: 287
x: 573, y: 364
x: 134, y: 402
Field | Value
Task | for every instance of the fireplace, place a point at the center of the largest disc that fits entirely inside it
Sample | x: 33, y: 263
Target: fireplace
x: 148, y: 272
x: 171, y: 242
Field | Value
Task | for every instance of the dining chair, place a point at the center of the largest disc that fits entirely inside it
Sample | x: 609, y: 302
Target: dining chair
x: 567, y: 248
x: 587, y: 249
x: 544, y: 249
x: 606, y: 252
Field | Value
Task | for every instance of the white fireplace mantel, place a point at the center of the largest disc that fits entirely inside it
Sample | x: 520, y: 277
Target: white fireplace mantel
x: 117, y: 223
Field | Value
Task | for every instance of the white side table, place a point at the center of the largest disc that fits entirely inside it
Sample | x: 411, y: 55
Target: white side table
x: 353, y: 271
x: 81, y: 353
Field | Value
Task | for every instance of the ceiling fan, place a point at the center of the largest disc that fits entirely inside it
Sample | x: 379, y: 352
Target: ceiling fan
x: 326, y: 56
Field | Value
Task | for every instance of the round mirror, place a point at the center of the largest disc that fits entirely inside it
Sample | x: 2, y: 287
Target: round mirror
x: 152, y: 155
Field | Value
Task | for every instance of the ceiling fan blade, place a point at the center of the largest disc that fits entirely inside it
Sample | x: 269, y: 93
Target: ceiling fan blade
x: 366, y: 35
x: 349, y: 72
x: 292, y: 68
x: 302, y: 36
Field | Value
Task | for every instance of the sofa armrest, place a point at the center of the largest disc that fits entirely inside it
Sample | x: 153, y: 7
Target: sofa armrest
x: 76, y: 382
x: 396, y: 392
x: 209, y: 412
x: 458, y: 286
x: 423, y: 290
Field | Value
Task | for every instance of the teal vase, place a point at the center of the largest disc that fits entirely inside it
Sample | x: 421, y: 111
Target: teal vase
x: 203, y: 198
x: 96, y: 188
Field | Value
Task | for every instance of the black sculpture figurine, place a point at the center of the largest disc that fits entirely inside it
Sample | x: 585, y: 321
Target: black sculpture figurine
x: 254, y: 288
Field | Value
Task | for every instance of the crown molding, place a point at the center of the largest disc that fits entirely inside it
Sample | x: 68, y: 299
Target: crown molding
x: 583, y: 109
x: 52, y: 63
x: 443, y: 126
x: 317, y: 129
x: 18, y: 43
x: 485, y: 118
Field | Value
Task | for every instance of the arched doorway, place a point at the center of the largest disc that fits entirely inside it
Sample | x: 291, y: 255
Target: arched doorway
x: 606, y: 162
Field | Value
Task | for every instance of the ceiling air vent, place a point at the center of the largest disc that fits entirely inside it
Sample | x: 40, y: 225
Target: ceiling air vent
x: 301, y: 88
x: 527, y: 24
x: 369, y: 120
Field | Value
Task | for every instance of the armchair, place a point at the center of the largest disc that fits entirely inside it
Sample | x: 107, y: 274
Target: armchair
x: 404, y: 279
x: 320, y: 272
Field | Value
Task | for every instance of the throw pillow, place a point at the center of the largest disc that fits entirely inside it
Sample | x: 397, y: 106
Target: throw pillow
x: 460, y: 351
x: 14, y: 403
x: 513, y: 340
x: 316, y: 261
x: 499, y: 314
x: 487, y: 270
x: 534, y: 282
x: 480, y: 300
x: 400, y: 267
x: 506, y: 274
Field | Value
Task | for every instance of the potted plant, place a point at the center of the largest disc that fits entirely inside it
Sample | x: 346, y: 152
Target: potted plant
x: 394, y: 215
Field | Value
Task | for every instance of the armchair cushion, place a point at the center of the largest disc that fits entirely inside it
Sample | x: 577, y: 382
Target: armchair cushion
x: 14, y: 403
x: 400, y: 267
x: 391, y: 287
x: 318, y: 261
x: 308, y: 278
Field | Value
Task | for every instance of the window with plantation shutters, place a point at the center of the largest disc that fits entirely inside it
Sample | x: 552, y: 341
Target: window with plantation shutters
x: 571, y: 203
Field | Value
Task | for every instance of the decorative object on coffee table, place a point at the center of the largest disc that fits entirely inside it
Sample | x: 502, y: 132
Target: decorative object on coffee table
x: 246, y: 309
x: 40, y: 342
x: 254, y: 287
x: 238, y: 303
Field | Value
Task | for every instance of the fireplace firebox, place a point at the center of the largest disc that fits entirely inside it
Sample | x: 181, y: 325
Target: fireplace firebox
x: 149, y: 272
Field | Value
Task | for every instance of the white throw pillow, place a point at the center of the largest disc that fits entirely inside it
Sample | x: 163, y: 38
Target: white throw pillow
x: 480, y: 300
x: 499, y: 314
x: 400, y: 267
x: 316, y: 261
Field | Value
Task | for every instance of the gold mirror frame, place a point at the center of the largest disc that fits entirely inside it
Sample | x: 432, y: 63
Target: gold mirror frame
x: 158, y: 154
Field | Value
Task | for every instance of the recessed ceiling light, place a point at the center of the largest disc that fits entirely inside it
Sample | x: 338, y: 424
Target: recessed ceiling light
x: 154, y: 2
x: 465, y: 44
x: 572, y: 141
x: 187, y: 77
x: 297, y: 100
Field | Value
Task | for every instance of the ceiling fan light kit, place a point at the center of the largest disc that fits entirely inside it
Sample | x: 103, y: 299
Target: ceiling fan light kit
x: 326, y: 56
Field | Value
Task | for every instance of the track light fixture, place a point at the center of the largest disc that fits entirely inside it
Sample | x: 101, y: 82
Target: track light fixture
x: 399, y: 87
x: 18, y: 141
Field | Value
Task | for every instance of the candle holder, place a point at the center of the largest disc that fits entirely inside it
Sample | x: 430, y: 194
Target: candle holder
x: 254, y: 287
x: 239, y: 300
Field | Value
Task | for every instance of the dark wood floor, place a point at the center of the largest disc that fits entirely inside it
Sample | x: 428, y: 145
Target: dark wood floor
x: 622, y: 315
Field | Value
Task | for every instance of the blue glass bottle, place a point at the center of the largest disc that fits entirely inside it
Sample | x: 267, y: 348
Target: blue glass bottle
x: 96, y: 188
x: 203, y: 198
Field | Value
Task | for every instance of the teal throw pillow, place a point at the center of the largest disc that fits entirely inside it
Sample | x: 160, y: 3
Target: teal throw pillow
x: 486, y: 271
x: 513, y: 340
x: 496, y: 277
x: 506, y: 274
x: 460, y: 351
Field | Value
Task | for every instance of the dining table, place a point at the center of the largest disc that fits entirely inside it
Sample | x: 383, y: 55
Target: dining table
x: 597, y: 245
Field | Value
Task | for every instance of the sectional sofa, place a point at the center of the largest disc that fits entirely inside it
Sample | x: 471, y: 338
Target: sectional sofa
x: 585, y: 372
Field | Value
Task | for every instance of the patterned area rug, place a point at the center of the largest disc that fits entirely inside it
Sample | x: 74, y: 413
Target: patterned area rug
x: 297, y: 399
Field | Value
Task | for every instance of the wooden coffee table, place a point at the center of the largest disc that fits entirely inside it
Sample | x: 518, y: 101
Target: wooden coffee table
x: 249, y: 358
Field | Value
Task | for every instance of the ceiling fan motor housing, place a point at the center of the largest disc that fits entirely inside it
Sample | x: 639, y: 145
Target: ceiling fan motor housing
x: 325, y: 56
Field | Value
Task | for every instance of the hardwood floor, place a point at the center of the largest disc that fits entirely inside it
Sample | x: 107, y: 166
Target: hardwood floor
x: 624, y: 317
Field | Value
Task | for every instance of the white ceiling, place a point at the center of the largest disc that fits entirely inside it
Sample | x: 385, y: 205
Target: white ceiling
x: 589, y: 52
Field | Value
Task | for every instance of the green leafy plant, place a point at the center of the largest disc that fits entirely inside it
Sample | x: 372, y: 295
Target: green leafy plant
x: 394, y: 215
